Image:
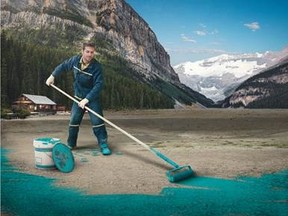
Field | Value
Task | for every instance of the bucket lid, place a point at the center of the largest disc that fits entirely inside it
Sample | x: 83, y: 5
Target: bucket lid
x: 63, y: 157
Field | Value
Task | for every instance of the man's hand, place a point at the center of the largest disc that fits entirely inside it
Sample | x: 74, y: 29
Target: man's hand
x: 83, y: 102
x: 50, y: 80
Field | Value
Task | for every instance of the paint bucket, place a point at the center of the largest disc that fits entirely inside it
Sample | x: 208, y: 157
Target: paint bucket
x: 43, y: 152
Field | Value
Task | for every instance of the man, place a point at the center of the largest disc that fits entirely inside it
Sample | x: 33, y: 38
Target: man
x: 88, y: 82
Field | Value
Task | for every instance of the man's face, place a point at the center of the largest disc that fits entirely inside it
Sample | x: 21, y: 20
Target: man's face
x: 88, y: 54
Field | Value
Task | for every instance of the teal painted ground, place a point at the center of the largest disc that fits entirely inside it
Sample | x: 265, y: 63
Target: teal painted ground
x: 29, y: 195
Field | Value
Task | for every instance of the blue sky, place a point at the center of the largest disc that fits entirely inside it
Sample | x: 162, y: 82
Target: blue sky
x: 191, y: 30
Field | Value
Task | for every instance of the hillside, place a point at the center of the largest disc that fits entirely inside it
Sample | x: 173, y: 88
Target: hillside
x: 120, y: 33
x: 268, y: 89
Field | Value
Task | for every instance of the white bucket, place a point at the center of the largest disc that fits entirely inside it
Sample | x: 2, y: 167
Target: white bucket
x: 43, y: 152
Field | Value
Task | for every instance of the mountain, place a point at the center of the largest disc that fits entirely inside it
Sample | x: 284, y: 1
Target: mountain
x: 268, y: 89
x: 115, y: 26
x: 218, y: 77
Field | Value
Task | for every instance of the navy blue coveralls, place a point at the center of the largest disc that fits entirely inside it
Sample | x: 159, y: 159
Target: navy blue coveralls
x: 88, y: 84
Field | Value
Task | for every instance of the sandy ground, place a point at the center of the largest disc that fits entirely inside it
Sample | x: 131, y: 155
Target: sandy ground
x: 218, y: 143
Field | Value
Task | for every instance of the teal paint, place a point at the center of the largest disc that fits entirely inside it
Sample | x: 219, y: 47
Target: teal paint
x: 95, y: 153
x: 25, y: 194
x: 83, y: 160
x: 47, y: 140
x: 43, y: 150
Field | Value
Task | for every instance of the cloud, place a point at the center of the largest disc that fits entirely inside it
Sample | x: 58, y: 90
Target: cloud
x: 187, y: 39
x: 202, y: 25
x: 200, y: 33
x: 214, y: 32
x: 197, y: 51
x: 215, y: 43
x: 204, y: 33
x: 204, y: 30
x: 254, y: 26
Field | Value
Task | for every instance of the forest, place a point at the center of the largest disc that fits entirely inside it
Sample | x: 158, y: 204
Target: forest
x: 26, y: 66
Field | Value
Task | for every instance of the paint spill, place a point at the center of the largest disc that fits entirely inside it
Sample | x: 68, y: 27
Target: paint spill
x: 83, y: 160
x: 26, y: 194
x: 95, y: 153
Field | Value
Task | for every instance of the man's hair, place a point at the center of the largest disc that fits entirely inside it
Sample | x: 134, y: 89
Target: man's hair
x: 88, y: 44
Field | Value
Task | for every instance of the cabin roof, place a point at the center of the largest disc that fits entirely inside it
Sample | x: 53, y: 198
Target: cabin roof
x: 38, y: 99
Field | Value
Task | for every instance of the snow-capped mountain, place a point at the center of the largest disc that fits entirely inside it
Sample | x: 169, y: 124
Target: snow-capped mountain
x: 218, y: 77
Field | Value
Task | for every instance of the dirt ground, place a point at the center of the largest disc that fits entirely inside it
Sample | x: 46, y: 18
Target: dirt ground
x: 214, y: 142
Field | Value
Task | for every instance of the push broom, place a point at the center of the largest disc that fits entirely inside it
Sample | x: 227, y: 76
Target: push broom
x: 178, y: 172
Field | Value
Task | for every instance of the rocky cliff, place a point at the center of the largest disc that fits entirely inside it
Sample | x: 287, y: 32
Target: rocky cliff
x: 112, y: 20
x: 268, y: 89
